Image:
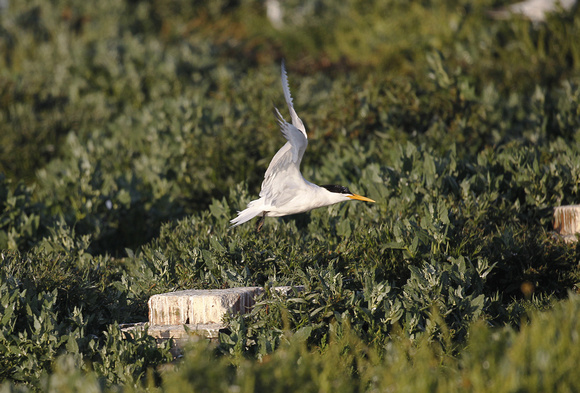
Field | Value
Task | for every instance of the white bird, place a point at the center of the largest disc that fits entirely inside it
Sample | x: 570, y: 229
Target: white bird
x: 284, y: 189
x: 535, y: 10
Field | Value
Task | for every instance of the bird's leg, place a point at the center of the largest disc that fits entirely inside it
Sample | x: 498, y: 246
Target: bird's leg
x: 260, y: 222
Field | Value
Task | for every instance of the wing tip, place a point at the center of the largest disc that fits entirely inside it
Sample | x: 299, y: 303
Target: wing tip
x: 288, y: 97
x: 279, y: 116
x: 285, y: 85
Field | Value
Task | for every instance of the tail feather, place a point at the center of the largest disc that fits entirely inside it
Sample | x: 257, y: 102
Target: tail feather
x: 254, y: 209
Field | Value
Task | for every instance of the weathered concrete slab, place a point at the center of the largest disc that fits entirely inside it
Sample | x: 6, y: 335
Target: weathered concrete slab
x: 199, y: 306
x: 176, y: 332
x: 202, y: 307
x: 183, y: 315
x: 567, y: 221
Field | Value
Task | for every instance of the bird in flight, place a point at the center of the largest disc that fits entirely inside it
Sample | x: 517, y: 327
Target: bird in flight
x: 535, y: 10
x: 284, y: 189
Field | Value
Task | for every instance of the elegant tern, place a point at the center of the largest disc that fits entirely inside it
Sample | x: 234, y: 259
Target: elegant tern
x: 284, y: 189
x: 535, y: 10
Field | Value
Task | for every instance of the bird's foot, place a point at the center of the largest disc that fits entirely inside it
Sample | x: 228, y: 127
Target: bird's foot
x: 260, y: 222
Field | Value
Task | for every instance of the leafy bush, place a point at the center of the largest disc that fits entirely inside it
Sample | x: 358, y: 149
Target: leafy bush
x: 541, y: 357
x: 131, y: 132
x: 20, y: 217
x: 35, y: 335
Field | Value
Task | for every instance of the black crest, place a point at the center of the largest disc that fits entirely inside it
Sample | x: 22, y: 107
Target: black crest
x: 337, y: 189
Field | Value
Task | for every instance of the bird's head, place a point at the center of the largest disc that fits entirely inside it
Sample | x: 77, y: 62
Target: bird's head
x: 344, y: 191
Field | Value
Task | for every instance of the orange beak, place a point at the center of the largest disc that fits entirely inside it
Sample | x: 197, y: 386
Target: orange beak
x: 360, y: 198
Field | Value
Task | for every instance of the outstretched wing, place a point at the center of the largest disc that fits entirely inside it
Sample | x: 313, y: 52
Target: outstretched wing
x: 296, y: 122
x: 283, y: 176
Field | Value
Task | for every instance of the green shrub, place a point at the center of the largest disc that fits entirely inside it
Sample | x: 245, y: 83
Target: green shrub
x: 131, y: 132
x: 20, y: 217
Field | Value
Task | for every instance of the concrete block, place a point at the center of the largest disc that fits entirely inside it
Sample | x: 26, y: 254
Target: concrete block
x: 175, y: 332
x: 567, y: 221
x: 201, y: 307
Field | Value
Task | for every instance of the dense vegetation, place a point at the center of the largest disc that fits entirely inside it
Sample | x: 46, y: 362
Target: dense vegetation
x: 132, y: 131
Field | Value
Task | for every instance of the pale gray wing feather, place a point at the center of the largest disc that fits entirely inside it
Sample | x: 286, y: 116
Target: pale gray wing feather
x: 297, y: 138
x: 295, y: 119
x: 283, y: 176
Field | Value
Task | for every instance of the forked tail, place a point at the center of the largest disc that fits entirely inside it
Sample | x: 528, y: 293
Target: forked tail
x: 254, y: 209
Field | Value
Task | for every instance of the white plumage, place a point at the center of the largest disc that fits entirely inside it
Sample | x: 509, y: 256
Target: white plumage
x: 284, y: 189
x: 535, y: 10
